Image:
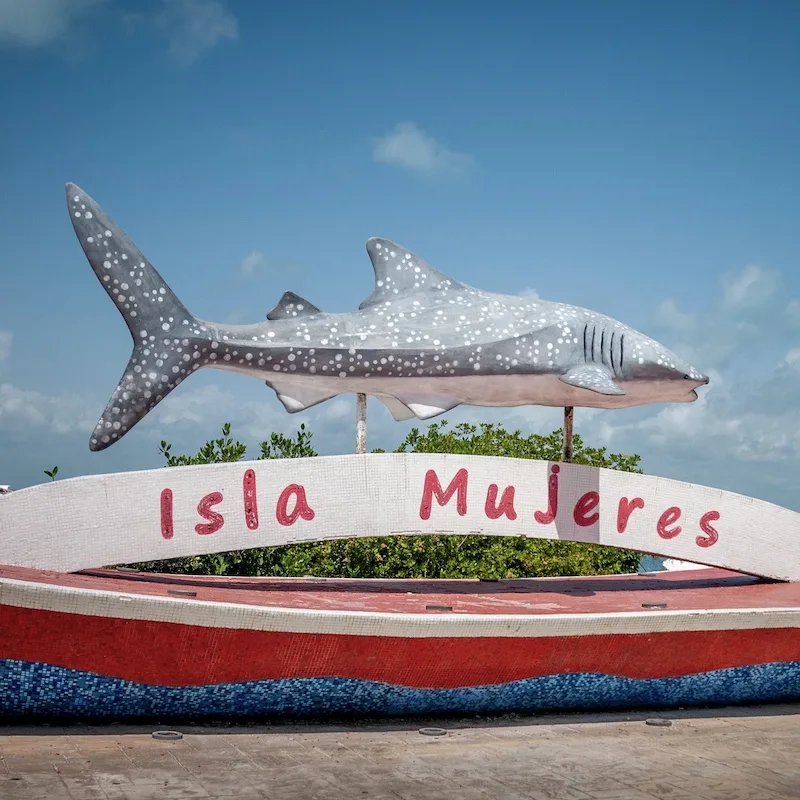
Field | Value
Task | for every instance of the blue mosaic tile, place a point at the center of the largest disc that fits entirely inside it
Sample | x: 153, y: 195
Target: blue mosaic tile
x: 32, y: 689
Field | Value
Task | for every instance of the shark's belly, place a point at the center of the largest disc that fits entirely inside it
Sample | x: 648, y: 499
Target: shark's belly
x: 452, y: 390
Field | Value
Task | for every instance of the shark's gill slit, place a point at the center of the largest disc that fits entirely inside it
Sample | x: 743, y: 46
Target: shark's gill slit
x: 585, y: 352
x: 621, y: 351
x: 611, y: 353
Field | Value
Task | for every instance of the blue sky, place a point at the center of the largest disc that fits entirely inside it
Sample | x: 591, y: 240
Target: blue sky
x: 636, y: 158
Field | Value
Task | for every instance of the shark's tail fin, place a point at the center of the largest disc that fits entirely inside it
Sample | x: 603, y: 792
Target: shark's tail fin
x: 168, y: 342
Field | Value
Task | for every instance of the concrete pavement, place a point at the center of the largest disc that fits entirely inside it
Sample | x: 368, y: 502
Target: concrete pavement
x: 728, y: 754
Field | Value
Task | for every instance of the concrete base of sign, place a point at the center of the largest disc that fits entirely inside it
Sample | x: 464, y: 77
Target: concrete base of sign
x: 111, y: 645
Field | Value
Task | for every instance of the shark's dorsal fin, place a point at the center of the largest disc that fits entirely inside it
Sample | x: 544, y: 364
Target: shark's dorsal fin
x: 292, y: 305
x: 399, y: 272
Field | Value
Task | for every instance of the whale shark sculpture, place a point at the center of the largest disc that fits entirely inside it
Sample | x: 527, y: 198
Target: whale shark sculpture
x: 422, y: 342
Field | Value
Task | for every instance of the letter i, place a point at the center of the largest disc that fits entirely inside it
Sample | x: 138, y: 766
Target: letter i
x: 546, y: 517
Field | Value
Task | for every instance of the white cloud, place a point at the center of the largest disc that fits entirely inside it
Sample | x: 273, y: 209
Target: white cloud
x: 749, y: 287
x: 670, y: 316
x: 792, y: 357
x: 195, y: 27
x: 742, y: 321
x: 256, y: 262
x: 251, y: 262
x: 48, y: 413
x: 192, y: 28
x: 792, y: 312
x: 731, y: 428
x: 193, y: 415
x: 531, y: 294
x: 33, y: 23
x: 5, y: 345
x: 409, y: 147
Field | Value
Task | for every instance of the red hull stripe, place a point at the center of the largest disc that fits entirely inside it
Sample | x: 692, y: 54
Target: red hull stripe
x: 183, y: 655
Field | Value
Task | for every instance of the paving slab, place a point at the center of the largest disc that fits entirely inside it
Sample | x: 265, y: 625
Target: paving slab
x: 722, y: 754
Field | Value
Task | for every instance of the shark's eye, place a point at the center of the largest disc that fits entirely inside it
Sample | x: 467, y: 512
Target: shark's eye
x: 687, y: 377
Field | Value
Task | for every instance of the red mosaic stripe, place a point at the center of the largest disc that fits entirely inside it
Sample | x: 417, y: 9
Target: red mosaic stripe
x: 182, y: 655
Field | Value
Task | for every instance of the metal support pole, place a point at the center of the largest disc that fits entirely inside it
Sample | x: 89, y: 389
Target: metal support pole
x: 361, y: 424
x: 568, y: 418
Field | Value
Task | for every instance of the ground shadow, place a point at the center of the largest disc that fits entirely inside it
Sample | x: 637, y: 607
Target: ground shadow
x: 393, y: 724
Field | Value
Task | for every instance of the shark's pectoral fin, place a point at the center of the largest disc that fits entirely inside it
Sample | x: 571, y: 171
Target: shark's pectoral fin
x: 593, y: 378
x: 292, y: 305
x: 399, y: 411
x: 295, y: 397
x: 425, y: 406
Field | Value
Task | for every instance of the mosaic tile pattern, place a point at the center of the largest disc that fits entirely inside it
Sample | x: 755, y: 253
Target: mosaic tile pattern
x: 30, y: 689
